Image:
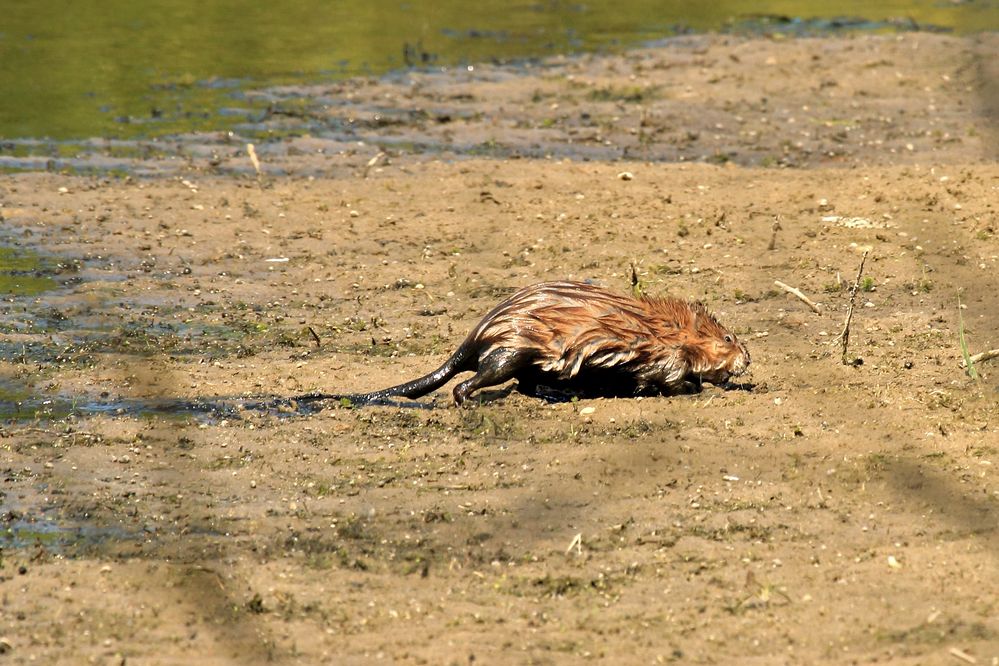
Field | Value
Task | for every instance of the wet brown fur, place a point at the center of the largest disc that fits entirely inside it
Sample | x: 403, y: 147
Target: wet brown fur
x: 577, y: 334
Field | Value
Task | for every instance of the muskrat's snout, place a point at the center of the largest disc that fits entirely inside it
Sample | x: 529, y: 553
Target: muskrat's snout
x: 740, y: 364
x: 736, y: 360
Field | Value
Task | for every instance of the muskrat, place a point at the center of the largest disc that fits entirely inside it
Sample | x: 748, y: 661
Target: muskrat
x: 579, y: 335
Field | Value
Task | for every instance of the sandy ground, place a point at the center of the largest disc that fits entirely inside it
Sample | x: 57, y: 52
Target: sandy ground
x: 832, y: 513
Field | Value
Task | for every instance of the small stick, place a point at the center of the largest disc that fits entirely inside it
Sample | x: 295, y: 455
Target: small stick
x: 315, y: 336
x: 958, y: 653
x: 252, y: 152
x: 983, y: 356
x: 577, y: 543
x: 773, y: 237
x: 845, y: 335
x: 372, y: 162
x: 636, y: 282
x: 797, y: 292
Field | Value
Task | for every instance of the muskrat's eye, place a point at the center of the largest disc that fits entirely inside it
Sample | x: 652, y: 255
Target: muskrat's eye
x: 728, y: 339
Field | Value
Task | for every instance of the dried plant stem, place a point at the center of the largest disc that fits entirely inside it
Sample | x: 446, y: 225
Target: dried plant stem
x: 252, y: 152
x: 845, y: 335
x: 373, y: 162
x: 958, y: 653
x: 773, y: 233
x: 797, y: 293
x: 981, y: 356
x: 637, y: 288
x: 577, y: 543
x: 315, y: 336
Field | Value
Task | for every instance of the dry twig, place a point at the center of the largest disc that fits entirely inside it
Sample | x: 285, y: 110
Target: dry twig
x: 844, y: 337
x: 773, y: 236
x: 982, y: 356
x: 636, y: 282
x: 797, y: 293
x: 373, y: 162
x: 252, y: 152
x: 315, y: 336
x: 958, y: 653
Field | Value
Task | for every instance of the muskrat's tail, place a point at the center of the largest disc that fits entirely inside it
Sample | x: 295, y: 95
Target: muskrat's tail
x: 460, y: 361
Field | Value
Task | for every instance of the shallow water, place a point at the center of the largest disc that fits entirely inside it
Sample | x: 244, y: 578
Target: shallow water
x: 23, y: 530
x: 25, y: 273
x: 133, y: 70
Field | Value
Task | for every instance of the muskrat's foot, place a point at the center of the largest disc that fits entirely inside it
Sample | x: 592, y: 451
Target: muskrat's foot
x: 691, y: 387
x: 499, y: 366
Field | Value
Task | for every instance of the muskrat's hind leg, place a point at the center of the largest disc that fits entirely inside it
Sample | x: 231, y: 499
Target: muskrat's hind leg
x: 499, y: 366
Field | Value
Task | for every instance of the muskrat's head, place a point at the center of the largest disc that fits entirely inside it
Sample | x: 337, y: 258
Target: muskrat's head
x: 715, y: 354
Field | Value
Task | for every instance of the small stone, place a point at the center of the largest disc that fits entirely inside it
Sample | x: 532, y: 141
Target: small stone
x: 626, y: 175
x: 586, y: 411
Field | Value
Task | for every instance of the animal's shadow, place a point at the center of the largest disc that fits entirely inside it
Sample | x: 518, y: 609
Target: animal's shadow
x: 237, y: 407
x: 567, y: 391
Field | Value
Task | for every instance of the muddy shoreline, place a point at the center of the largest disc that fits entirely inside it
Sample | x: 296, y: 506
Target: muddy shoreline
x: 833, y: 514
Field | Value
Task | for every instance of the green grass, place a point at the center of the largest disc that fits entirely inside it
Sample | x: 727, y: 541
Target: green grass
x: 969, y: 366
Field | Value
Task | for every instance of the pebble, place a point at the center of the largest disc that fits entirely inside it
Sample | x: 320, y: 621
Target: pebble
x: 586, y: 411
x: 626, y: 175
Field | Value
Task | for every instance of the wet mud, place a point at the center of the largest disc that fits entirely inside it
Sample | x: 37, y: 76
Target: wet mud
x: 829, y: 512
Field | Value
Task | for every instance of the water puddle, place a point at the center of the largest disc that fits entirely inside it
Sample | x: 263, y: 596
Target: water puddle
x: 48, y: 327
x: 32, y: 522
x: 18, y: 405
x: 26, y: 273
x: 20, y: 530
